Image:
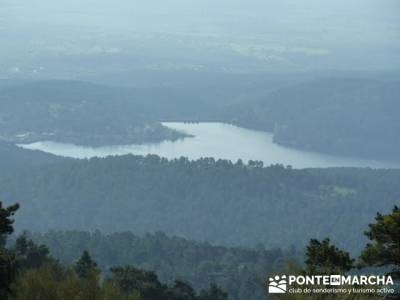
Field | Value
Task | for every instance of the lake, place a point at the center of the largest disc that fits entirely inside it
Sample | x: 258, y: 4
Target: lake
x: 217, y: 140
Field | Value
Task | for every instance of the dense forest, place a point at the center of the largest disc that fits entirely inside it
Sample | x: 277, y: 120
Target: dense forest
x: 218, y: 201
x: 13, y: 158
x: 240, y: 271
x: 29, y: 271
x: 342, y: 116
x: 77, y: 112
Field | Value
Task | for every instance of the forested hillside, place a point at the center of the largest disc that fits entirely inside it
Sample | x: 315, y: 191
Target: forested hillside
x: 342, y: 116
x: 79, y: 113
x: 217, y: 201
x: 239, y: 271
x: 13, y: 158
x: 28, y: 271
x: 199, y: 150
x: 351, y: 116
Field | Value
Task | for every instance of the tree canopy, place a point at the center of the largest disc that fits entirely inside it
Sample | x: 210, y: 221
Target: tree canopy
x: 324, y: 258
x: 384, y: 249
x: 178, y: 197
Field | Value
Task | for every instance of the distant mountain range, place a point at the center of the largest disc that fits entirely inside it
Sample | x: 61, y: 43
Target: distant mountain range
x: 76, y: 112
x: 340, y: 116
x: 354, y: 115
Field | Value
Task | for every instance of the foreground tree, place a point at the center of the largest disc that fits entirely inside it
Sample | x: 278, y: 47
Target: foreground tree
x: 214, y: 292
x: 181, y: 291
x: 145, y: 284
x: 7, y: 272
x: 324, y: 258
x: 30, y: 255
x: 131, y: 279
x: 7, y: 259
x: 6, y: 222
x: 53, y: 281
x: 384, y: 251
x: 41, y: 283
x: 85, y: 266
x: 29, y: 272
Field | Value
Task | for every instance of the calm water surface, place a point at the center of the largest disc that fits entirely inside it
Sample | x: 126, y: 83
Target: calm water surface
x: 216, y: 140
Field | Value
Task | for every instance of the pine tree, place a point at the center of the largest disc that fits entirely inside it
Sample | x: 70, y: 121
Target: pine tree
x: 85, y: 266
x: 7, y: 260
x: 324, y: 258
x: 385, y: 247
x: 6, y: 223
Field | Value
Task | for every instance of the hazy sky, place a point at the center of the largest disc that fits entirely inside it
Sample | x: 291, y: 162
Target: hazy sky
x: 270, y: 35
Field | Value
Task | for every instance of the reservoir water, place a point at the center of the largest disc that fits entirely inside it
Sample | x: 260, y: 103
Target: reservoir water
x: 216, y: 140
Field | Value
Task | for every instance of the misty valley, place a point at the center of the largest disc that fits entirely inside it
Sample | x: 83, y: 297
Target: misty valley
x: 199, y: 150
x: 217, y: 140
x: 115, y: 178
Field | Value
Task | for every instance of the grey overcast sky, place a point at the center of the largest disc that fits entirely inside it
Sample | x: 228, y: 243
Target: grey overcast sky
x: 268, y: 35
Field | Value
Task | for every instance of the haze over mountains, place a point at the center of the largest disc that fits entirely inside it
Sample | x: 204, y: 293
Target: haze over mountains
x: 94, y: 40
x: 342, y: 116
x: 246, y: 63
x: 356, y: 116
x: 316, y: 77
x: 77, y: 112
